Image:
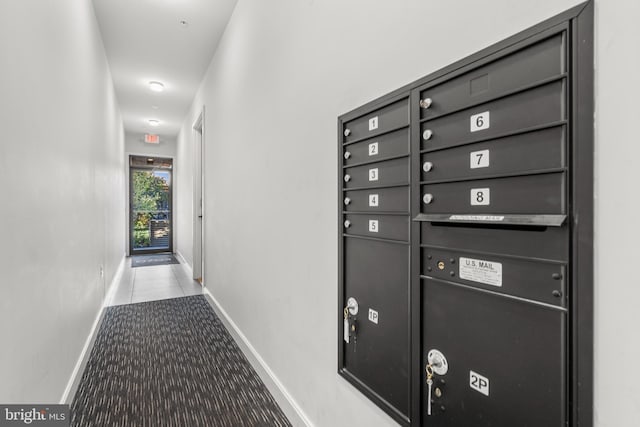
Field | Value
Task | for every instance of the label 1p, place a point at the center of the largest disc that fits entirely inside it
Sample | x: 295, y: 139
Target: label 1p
x: 479, y: 383
x: 481, y: 271
x: 480, y: 121
x: 373, y: 316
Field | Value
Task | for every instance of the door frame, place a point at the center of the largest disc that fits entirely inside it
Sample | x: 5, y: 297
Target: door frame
x: 130, y: 204
x: 198, y: 133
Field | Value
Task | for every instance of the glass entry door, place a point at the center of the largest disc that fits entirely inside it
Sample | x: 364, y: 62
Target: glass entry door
x: 151, y: 222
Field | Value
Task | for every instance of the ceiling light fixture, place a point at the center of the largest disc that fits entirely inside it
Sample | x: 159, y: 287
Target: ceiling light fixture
x: 156, y: 86
x: 154, y: 122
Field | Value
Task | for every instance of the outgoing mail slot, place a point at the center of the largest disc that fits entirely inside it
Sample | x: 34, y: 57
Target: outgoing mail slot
x: 376, y: 275
x: 517, y: 154
x: 388, y: 118
x: 550, y: 243
x: 378, y: 148
x: 517, y: 348
x: 390, y: 172
x: 534, y: 280
x: 536, y: 63
x: 395, y: 199
x: 395, y: 227
x: 537, y: 107
x: 533, y: 194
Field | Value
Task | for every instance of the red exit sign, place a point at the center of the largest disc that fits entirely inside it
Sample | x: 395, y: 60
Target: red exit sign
x: 151, y: 139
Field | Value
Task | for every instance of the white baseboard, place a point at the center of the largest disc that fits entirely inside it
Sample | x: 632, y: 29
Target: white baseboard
x: 288, y: 404
x: 184, y: 263
x: 76, y: 375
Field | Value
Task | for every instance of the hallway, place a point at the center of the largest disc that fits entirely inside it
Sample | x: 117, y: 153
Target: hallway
x: 270, y: 189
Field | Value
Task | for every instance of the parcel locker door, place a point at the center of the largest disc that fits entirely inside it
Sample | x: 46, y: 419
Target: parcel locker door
x: 378, y: 354
x: 505, y: 357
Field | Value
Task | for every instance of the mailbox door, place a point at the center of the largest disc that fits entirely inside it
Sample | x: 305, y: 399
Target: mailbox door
x: 506, y: 359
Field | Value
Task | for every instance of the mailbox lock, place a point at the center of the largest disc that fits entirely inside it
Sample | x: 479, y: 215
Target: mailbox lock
x: 347, y: 224
x: 347, y: 178
x: 427, y: 166
x: 426, y: 103
x: 352, y: 306
x: 427, y: 198
x: 441, y: 265
x: 427, y: 134
x: 438, y: 362
x: 347, y: 132
x: 347, y: 200
x: 347, y: 155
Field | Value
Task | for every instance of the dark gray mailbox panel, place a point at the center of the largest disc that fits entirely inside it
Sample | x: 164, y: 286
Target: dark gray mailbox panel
x: 459, y: 197
x: 506, y: 359
x: 377, y: 277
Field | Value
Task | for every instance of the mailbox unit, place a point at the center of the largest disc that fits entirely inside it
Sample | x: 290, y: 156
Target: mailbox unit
x: 466, y: 242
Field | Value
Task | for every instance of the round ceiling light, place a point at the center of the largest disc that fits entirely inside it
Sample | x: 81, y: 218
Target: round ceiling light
x: 154, y: 122
x: 156, y: 86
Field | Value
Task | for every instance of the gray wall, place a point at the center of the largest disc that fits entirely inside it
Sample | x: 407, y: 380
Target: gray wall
x: 282, y: 74
x: 62, y: 215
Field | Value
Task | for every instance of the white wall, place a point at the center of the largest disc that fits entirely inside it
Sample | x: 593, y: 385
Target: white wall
x: 183, y: 217
x: 282, y: 74
x: 62, y: 215
x: 134, y: 144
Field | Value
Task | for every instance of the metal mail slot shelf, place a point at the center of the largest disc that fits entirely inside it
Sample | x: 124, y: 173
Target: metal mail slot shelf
x: 383, y: 147
x: 537, y: 107
x: 394, y: 199
x: 521, y: 195
x: 377, y: 122
x: 531, y: 152
x: 533, y: 64
x: 395, y: 227
x: 522, y: 219
x: 385, y: 173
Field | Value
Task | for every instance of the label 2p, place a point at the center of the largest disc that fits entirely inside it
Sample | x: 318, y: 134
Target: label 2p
x: 479, y: 383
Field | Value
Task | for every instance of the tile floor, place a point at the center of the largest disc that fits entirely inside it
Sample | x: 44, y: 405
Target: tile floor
x: 158, y: 282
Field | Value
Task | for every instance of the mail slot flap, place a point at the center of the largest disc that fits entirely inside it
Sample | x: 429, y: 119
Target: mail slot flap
x: 550, y: 243
x: 528, y: 195
x: 537, y: 107
x: 535, y: 63
x: 534, y: 280
x: 395, y: 227
x: 389, y: 172
x: 533, y: 220
x: 376, y: 275
x: 517, y: 154
x: 506, y: 359
x: 388, y: 118
x: 394, y: 199
x: 378, y: 148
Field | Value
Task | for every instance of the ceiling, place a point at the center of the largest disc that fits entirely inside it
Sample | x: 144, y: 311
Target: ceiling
x: 147, y: 40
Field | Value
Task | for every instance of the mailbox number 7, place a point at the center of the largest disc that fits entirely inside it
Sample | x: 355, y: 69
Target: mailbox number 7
x: 479, y: 159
